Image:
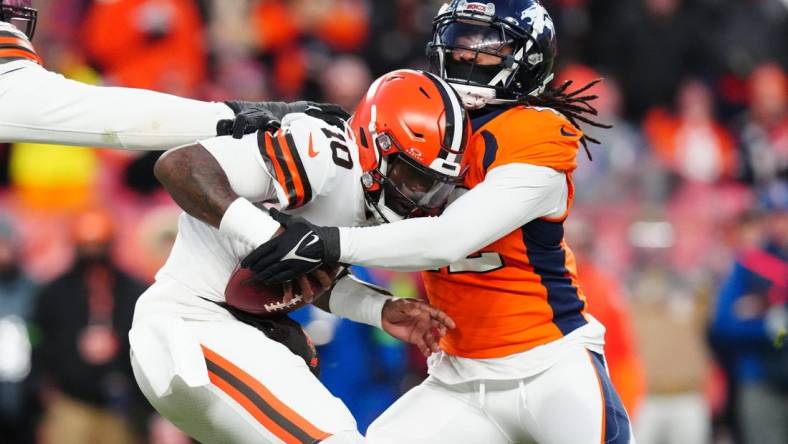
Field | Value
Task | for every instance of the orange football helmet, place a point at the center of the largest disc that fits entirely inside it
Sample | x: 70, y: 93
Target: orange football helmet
x: 411, y: 130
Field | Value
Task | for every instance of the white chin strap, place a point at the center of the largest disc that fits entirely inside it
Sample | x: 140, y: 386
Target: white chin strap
x: 474, y: 97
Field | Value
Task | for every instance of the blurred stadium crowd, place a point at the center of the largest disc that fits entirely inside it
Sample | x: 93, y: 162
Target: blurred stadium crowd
x: 680, y: 224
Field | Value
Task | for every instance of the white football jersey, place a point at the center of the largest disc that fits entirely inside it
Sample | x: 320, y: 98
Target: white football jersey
x: 311, y: 169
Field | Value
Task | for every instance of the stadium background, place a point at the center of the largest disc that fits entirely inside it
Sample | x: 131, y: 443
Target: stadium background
x: 672, y: 216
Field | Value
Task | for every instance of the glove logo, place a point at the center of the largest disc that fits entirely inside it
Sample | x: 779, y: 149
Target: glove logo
x: 310, y: 238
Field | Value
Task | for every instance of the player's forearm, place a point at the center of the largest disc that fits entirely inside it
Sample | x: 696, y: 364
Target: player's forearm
x: 40, y: 106
x: 506, y: 200
x: 356, y: 300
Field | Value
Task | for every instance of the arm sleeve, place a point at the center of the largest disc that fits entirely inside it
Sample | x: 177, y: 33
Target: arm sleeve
x: 510, y: 196
x: 40, y: 106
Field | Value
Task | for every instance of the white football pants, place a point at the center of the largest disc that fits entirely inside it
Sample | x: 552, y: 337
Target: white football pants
x: 223, y: 381
x: 572, y: 402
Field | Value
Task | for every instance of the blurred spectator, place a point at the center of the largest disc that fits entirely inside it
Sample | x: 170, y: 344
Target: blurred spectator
x: 617, y: 168
x: 692, y: 144
x: 84, y: 317
x: 748, y: 33
x: 668, y: 316
x: 650, y: 45
x: 17, y: 400
x: 345, y: 81
x: 297, y: 38
x: 749, y: 327
x: 763, y: 129
x: 402, y: 29
x: 152, y: 44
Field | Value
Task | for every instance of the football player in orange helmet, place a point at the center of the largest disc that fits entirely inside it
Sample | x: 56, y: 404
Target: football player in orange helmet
x: 227, y: 376
x: 526, y: 360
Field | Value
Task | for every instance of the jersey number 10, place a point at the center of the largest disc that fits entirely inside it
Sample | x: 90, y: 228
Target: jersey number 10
x: 339, y: 151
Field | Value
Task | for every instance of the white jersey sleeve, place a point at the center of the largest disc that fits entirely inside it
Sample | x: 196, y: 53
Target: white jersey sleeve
x: 37, y: 105
x: 326, y: 193
x: 241, y: 162
x: 510, y: 196
x: 300, y: 158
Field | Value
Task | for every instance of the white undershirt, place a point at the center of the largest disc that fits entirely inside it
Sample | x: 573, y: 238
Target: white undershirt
x: 510, y: 196
x: 37, y: 105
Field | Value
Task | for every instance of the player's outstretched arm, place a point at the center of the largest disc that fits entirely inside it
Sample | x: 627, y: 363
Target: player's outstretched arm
x: 41, y: 106
x: 408, y: 320
x: 510, y: 196
x: 45, y: 107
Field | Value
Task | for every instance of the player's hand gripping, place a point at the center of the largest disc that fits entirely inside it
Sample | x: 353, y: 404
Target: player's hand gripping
x: 253, y: 116
x: 323, y: 279
x: 300, y: 249
x: 416, y: 322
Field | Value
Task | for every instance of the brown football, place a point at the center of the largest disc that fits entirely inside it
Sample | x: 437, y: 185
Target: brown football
x: 265, y: 300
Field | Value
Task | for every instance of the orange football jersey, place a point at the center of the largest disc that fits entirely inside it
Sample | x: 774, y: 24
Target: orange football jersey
x: 522, y: 290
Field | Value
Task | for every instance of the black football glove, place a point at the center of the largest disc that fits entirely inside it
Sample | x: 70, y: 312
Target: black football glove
x: 253, y: 116
x: 300, y: 249
x: 329, y: 113
x: 249, y: 118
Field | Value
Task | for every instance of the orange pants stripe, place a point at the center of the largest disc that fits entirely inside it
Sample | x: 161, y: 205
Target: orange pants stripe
x: 263, y: 405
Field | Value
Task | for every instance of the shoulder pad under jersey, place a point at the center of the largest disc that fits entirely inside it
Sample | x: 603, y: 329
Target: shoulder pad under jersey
x: 304, y: 156
x: 533, y: 135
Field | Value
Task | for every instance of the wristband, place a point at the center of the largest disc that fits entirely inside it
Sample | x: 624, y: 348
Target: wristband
x: 355, y: 300
x: 248, y: 223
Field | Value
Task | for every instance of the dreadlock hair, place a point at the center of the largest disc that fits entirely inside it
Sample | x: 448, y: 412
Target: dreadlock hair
x: 575, y: 107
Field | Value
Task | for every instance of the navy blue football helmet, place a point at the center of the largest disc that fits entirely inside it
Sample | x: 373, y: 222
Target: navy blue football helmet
x: 21, y: 14
x: 493, y: 52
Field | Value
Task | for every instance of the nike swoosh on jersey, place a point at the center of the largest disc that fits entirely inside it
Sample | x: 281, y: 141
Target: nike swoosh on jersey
x: 312, y: 152
x: 566, y: 133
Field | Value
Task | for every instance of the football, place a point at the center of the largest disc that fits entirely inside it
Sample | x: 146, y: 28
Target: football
x: 264, y: 300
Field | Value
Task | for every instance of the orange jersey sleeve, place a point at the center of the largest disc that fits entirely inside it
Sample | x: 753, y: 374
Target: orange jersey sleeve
x: 537, y: 136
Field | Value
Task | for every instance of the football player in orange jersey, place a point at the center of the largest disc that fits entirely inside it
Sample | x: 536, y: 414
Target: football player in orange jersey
x: 526, y: 360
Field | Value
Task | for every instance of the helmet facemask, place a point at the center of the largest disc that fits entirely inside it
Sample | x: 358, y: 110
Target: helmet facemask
x: 19, y: 14
x: 491, y: 60
x: 401, y: 187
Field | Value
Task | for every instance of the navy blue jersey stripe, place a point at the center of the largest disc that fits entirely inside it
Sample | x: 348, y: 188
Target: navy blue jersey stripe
x: 543, y: 246
x: 479, y: 118
x: 617, y: 427
x: 490, y: 149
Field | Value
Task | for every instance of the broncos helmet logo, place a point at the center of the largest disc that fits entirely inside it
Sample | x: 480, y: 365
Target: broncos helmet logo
x: 538, y: 19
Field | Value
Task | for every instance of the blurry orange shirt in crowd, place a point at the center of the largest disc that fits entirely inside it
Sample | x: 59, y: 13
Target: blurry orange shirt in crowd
x: 692, y: 143
x: 152, y: 44
x: 607, y: 305
x: 341, y: 24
